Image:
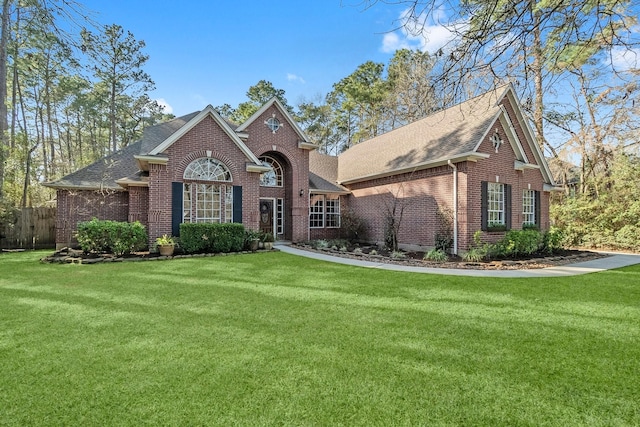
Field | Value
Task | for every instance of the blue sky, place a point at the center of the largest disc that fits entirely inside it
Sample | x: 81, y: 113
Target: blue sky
x: 211, y: 52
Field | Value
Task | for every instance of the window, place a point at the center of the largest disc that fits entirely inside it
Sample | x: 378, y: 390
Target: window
x: 324, y: 211
x: 211, y: 202
x: 333, y: 211
x: 273, y: 178
x: 529, y: 207
x: 279, y: 216
x: 316, y: 211
x: 495, y: 204
x: 207, y: 169
x: 228, y: 204
x: 273, y: 124
x: 495, y: 195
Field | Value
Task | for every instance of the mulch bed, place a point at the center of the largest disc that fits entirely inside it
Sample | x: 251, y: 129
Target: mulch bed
x: 415, y: 258
x: 73, y: 256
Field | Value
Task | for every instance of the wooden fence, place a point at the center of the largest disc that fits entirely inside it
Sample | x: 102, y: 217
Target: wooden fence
x: 33, y: 228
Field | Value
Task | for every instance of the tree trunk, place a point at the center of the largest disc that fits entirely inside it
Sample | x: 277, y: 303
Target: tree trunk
x: 4, y: 125
x: 538, y: 109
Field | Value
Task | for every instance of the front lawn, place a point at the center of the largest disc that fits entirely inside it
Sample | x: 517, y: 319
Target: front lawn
x: 274, y: 339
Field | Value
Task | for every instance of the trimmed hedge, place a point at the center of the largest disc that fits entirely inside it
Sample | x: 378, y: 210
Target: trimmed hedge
x: 211, y: 237
x: 119, y: 238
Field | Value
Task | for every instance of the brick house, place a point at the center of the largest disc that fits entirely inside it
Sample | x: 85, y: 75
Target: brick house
x: 477, y: 163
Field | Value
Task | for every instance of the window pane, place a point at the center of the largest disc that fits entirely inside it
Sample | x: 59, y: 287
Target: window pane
x: 316, y: 211
x: 529, y: 207
x: 495, y: 205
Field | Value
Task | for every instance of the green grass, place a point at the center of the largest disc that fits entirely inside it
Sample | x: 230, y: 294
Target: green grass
x: 272, y: 339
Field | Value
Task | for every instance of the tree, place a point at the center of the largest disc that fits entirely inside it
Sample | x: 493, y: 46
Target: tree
x: 117, y: 61
x: 258, y: 94
x: 411, y: 93
x: 358, y: 101
x: 534, y: 42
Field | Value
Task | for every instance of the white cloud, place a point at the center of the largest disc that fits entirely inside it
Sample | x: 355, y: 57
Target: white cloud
x: 624, y: 59
x: 427, y: 34
x: 294, y: 78
x: 167, y: 109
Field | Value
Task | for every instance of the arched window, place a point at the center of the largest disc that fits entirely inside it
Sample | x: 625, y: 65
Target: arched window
x: 207, y: 169
x: 273, y: 178
x: 207, y: 202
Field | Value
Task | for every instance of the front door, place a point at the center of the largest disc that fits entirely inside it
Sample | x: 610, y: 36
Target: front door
x: 266, y: 216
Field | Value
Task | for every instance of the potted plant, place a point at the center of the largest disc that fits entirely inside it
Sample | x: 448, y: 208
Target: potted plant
x: 268, y: 239
x: 252, y: 240
x: 166, y: 245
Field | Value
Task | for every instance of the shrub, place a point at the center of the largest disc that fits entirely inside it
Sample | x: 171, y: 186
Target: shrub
x: 211, y: 237
x: 518, y: 243
x: 352, y: 226
x: 398, y: 255
x: 553, y: 241
x: 436, y: 255
x: 119, y: 238
x: 475, y: 255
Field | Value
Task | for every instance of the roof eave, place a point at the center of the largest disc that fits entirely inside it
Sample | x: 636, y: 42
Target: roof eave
x: 339, y: 192
x: 307, y: 145
x: 145, y: 161
x: 250, y: 167
x: 55, y: 186
x: 464, y: 157
x: 551, y: 188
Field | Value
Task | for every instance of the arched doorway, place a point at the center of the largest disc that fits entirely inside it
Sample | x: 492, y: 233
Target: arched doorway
x: 275, y: 196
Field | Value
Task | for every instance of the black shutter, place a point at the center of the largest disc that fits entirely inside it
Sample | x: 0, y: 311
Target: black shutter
x: 537, y: 208
x: 507, y: 206
x: 484, y: 205
x: 176, y: 207
x: 237, y: 204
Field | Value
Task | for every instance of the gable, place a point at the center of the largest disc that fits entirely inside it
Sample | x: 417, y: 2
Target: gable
x: 303, y: 140
x: 451, y: 135
x: 208, y: 112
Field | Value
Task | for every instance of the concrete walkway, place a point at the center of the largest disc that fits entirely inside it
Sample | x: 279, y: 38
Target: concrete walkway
x: 608, y: 263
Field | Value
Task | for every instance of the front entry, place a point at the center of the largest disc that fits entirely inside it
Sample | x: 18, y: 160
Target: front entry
x: 266, y: 216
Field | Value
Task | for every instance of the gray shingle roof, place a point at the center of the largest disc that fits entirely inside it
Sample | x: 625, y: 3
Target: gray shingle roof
x: 323, y: 172
x: 104, y: 173
x: 442, y: 135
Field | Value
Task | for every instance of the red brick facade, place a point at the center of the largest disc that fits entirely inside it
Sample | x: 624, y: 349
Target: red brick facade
x: 75, y: 206
x: 423, y: 198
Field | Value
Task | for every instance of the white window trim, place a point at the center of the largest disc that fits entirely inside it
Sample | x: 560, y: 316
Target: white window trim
x: 496, y: 204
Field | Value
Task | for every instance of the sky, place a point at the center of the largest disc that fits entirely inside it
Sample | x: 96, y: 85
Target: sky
x: 211, y: 52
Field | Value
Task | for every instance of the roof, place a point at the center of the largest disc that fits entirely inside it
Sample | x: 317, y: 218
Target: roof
x: 102, y: 175
x: 323, y: 174
x: 445, y: 135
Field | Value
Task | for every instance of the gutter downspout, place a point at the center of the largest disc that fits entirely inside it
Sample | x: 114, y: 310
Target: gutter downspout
x: 455, y: 206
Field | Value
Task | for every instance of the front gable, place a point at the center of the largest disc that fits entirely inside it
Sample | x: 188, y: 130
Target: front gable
x: 259, y: 121
x: 208, y: 114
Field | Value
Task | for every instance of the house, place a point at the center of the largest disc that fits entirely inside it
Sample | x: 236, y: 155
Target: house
x: 474, y: 166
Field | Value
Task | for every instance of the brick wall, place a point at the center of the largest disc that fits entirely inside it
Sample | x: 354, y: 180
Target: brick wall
x: 419, y: 195
x: 75, y: 206
x: 423, y: 193
x: 206, y: 139
x: 283, y: 144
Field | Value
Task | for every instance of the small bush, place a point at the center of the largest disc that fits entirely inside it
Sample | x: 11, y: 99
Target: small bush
x: 398, y: 255
x: 436, y: 255
x: 352, y: 226
x: 119, y: 238
x: 475, y: 255
x: 211, y: 237
x: 518, y: 243
x: 553, y: 241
